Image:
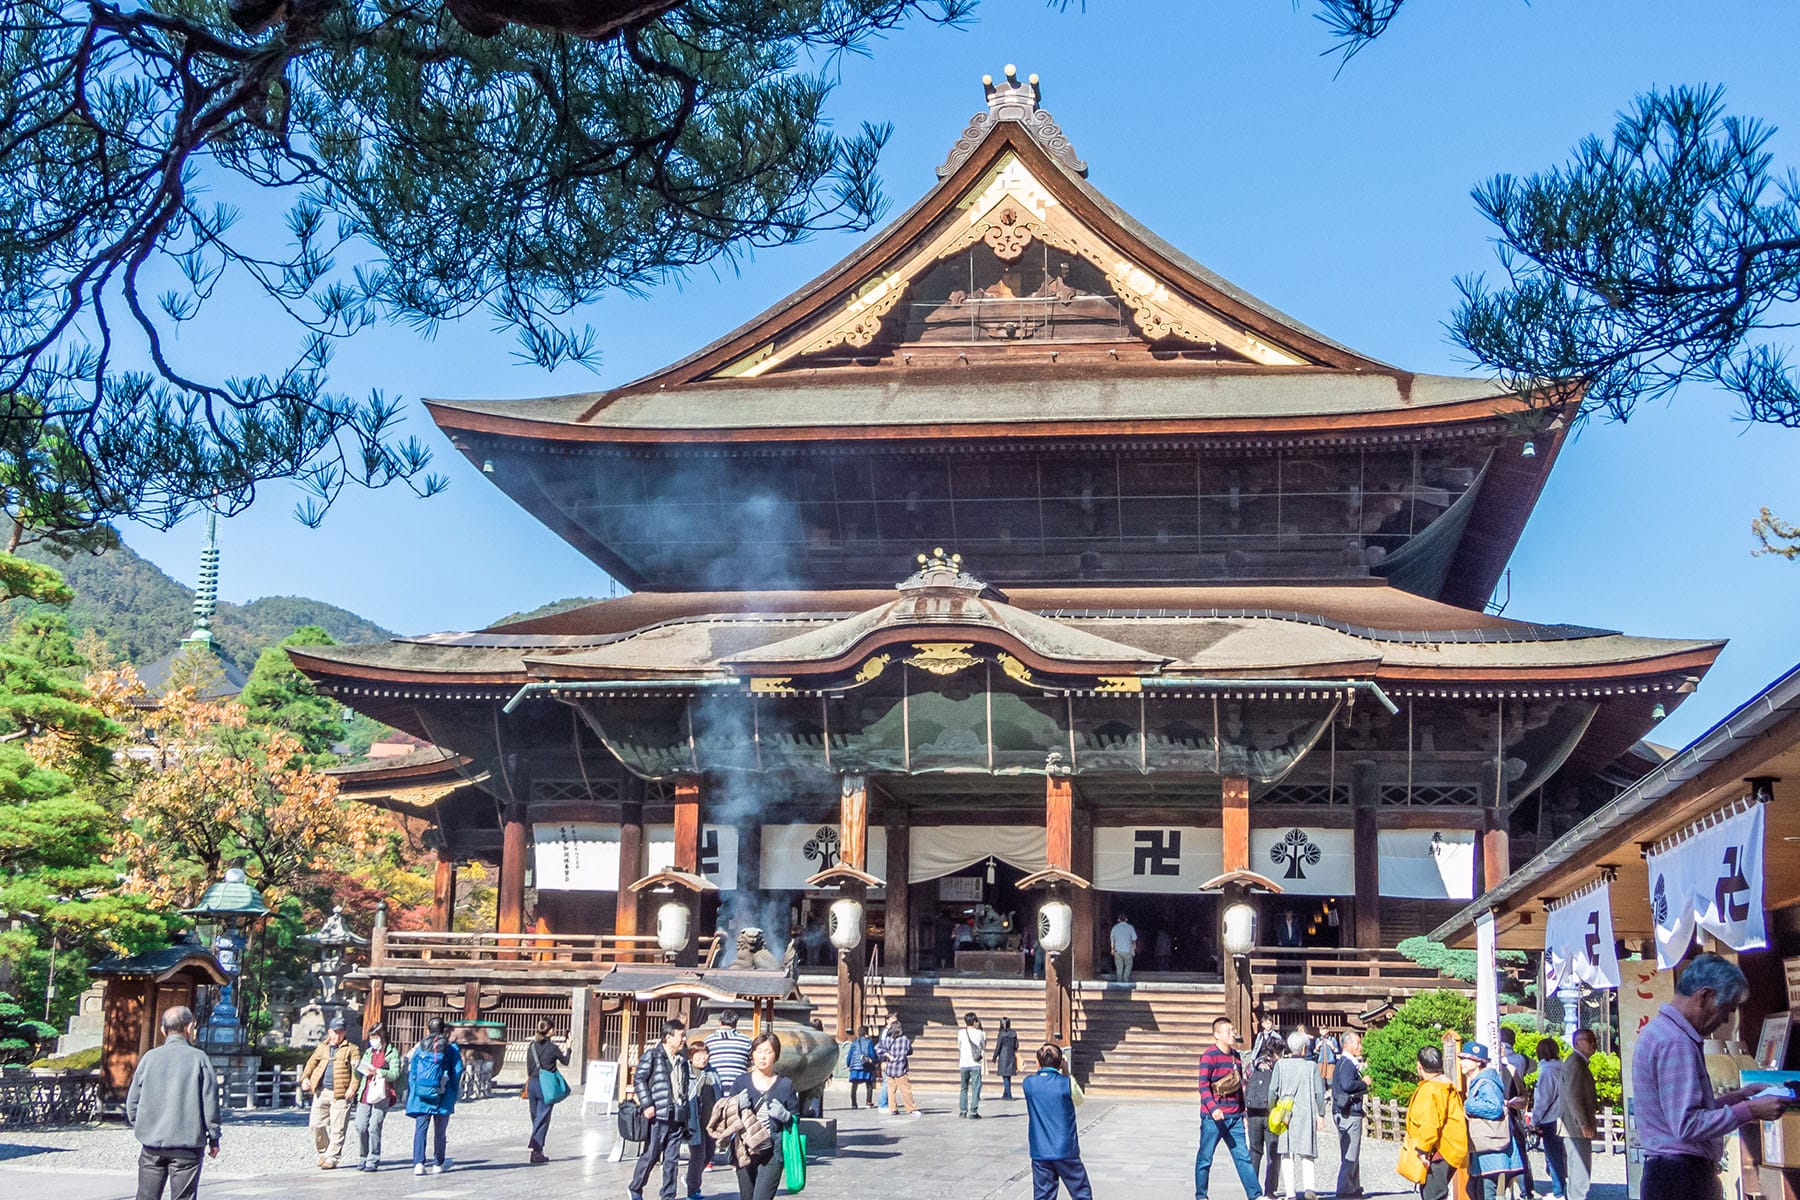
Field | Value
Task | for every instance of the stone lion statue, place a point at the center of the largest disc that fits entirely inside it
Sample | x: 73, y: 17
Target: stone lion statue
x: 753, y: 951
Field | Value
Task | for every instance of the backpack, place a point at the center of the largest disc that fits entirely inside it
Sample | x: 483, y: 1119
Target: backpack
x: 1257, y: 1083
x: 430, y: 1070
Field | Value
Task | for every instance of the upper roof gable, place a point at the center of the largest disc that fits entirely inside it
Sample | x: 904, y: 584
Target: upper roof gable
x: 1012, y: 182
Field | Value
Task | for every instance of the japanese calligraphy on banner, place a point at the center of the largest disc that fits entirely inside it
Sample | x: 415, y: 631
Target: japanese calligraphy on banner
x: 1578, y: 942
x: 1156, y: 859
x: 582, y: 856
x: 575, y: 856
x: 1427, y: 864
x: 1713, y: 881
x: 1305, y: 862
x: 792, y: 854
x: 718, y: 853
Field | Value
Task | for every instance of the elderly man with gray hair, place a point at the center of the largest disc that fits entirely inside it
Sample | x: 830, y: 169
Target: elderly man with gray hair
x: 1682, y: 1125
x: 173, y: 1107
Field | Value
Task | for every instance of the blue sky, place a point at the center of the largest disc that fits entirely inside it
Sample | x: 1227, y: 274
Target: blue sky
x: 1342, y: 198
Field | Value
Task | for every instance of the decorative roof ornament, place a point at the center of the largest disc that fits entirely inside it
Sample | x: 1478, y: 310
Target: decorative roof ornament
x: 939, y: 571
x: 1011, y: 100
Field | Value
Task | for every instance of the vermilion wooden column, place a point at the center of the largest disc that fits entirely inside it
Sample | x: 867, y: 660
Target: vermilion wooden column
x: 1496, y: 852
x: 853, y: 851
x: 631, y: 869
x: 513, y: 844
x: 1059, y: 822
x: 443, y: 892
x: 687, y: 826
x: 1081, y: 903
x: 1234, y: 825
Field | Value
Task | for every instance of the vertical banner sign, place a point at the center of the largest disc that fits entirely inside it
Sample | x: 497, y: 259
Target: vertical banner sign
x: 1713, y: 881
x: 1487, y: 981
x: 1642, y: 990
x: 1578, y: 942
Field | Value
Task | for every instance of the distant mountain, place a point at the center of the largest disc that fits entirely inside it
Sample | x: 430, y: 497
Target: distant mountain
x: 551, y: 609
x: 143, y: 614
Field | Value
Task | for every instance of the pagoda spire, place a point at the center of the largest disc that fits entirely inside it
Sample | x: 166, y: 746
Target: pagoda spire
x: 206, y: 588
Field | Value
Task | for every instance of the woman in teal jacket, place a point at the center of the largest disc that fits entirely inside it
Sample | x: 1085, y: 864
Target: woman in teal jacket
x: 434, y: 1073
x: 1487, y: 1101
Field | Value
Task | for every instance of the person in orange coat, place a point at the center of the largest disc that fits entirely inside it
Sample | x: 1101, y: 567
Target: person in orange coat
x: 1436, y: 1128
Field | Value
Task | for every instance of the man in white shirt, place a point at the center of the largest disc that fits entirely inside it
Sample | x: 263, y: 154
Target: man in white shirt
x: 1124, y: 948
x: 971, y: 1049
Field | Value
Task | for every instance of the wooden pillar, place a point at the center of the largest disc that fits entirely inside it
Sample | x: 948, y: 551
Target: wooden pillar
x: 1085, y: 934
x: 372, y: 1007
x: 853, y: 822
x: 896, y: 948
x: 443, y: 892
x: 631, y: 866
x: 1496, y: 853
x: 1234, y: 828
x: 1365, y: 815
x: 1059, y: 822
x: 687, y: 858
x: 514, y: 839
x: 1059, y: 1007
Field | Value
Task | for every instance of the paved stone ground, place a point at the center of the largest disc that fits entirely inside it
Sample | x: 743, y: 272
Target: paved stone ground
x: 1135, y: 1150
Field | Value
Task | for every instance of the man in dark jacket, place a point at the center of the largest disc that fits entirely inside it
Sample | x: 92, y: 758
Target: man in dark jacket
x: 1050, y: 1100
x: 173, y: 1107
x: 1348, y: 1083
x: 664, y: 1085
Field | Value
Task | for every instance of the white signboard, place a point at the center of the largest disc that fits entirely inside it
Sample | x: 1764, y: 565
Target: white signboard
x: 1427, y: 864
x: 718, y: 852
x: 1713, y: 881
x: 583, y: 856
x: 1578, y: 942
x: 792, y: 854
x: 1643, y: 991
x: 1173, y: 859
x: 576, y: 856
x: 1305, y: 862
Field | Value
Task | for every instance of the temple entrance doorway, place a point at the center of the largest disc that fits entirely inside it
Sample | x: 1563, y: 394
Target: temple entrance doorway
x: 1187, y: 927
x: 974, y: 921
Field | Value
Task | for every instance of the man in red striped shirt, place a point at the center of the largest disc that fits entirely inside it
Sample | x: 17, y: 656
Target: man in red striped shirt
x: 1222, y: 1111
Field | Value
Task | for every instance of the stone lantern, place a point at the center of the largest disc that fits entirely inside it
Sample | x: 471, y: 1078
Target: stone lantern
x: 229, y: 911
x: 334, y: 940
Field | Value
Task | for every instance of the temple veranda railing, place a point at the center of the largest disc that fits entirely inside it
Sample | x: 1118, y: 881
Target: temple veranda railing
x: 429, y: 950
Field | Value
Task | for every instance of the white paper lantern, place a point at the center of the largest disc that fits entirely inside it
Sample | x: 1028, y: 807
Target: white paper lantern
x: 846, y: 923
x: 1240, y: 930
x: 672, y: 926
x: 1056, y: 925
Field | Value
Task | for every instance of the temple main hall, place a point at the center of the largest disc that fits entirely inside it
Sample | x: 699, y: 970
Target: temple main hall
x: 1016, y: 575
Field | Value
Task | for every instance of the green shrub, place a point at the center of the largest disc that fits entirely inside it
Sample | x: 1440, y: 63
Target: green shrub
x: 1608, y: 1088
x: 81, y: 1060
x: 1393, y: 1050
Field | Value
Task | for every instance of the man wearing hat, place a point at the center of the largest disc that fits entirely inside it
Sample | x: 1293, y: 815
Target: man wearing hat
x: 330, y: 1076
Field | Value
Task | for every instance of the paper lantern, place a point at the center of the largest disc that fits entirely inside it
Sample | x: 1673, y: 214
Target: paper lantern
x: 846, y: 923
x: 672, y: 921
x: 1240, y: 930
x: 1056, y: 924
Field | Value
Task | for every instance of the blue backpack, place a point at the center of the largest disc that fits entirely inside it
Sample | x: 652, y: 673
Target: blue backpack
x: 429, y: 1071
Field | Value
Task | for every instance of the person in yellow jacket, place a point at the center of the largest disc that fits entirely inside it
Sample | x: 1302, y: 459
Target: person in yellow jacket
x: 1437, y: 1130
x: 331, y: 1076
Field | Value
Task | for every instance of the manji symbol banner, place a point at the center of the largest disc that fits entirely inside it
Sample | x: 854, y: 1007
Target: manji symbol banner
x: 1711, y: 881
x: 1578, y: 942
x: 1156, y: 858
x: 1305, y: 862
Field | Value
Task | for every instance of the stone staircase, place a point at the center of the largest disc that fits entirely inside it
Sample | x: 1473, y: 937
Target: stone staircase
x: 1138, y: 1040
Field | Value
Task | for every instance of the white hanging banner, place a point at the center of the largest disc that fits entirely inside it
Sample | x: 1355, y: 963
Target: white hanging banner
x: 1156, y: 858
x: 718, y: 852
x: 1578, y: 942
x: 1487, y: 980
x: 1713, y: 881
x: 939, y: 850
x: 1427, y: 864
x: 575, y: 856
x: 792, y: 854
x: 1306, y: 862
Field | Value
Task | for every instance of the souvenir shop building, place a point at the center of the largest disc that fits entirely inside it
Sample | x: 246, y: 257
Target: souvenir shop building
x: 1018, y: 556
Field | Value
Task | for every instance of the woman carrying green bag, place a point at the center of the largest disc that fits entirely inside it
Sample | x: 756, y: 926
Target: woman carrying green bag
x: 762, y: 1106
x: 544, y: 1085
x: 793, y: 1157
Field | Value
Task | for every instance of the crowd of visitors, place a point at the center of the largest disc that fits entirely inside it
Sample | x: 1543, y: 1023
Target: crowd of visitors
x: 1269, y: 1106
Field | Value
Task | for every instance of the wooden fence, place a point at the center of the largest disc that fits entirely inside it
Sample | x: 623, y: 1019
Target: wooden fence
x: 522, y: 952
x: 1385, y: 1120
x: 49, y: 1100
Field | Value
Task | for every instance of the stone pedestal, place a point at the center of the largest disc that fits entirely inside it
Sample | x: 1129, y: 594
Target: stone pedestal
x: 86, y: 1026
x: 820, y: 1134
